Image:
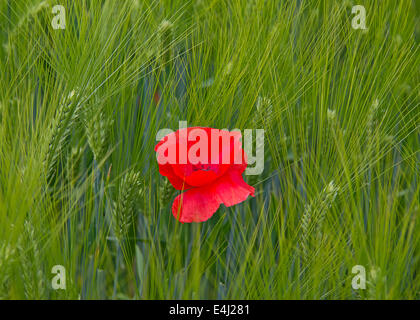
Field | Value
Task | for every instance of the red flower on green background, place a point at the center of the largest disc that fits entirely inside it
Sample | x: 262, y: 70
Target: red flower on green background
x: 207, y: 164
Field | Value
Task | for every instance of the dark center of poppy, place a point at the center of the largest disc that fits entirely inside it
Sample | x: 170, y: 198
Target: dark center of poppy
x: 204, y: 167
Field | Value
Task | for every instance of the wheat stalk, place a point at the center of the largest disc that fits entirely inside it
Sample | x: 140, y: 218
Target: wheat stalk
x: 166, y: 191
x: 98, y: 128
x: 31, y: 264
x: 66, y: 120
x: 165, y: 32
x: 314, y: 216
x: 124, y: 211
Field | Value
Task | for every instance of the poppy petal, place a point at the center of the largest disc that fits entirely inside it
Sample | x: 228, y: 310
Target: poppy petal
x: 167, y: 171
x: 199, y: 204
x: 232, y: 189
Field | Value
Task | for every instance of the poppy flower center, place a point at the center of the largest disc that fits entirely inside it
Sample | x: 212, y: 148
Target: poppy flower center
x: 205, y: 167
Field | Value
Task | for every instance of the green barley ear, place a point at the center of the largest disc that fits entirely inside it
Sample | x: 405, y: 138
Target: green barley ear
x: 329, y: 193
x: 7, y: 255
x: 166, y: 192
x: 332, y: 121
x: 31, y: 264
x: 375, y: 284
x: 66, y: 120
x: 124, y: 213
x: 372, y: 118
x: 331, y: 116
x: 264, y: 111
x: 306, y: 222
x: 313, y: 218
x: 165, y: 32
x: 371, y: 129
x: 372, y: 122
x: 73, y: 163
x: 98, y: 129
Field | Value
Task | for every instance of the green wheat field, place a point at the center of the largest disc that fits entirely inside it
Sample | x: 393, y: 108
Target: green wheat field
x: 80, y: 108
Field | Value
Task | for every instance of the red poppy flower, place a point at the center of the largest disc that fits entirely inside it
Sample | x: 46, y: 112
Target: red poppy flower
x: 208, y: 163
